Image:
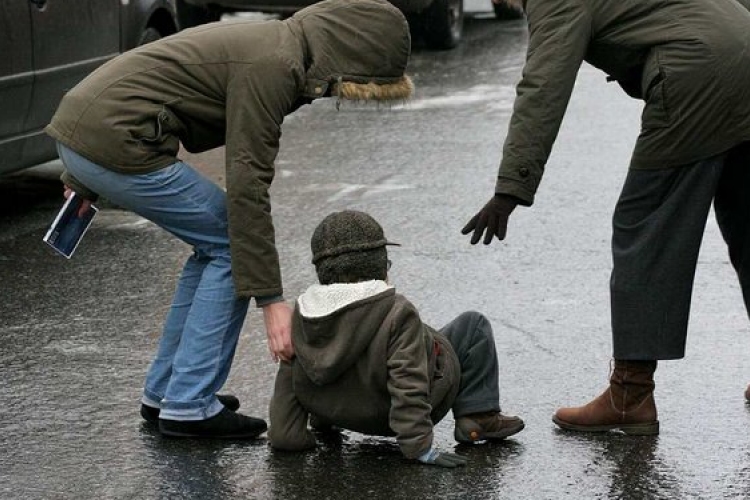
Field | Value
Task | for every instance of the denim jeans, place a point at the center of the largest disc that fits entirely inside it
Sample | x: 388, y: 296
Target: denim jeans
x: 471, y: 336
x: 202, y: 327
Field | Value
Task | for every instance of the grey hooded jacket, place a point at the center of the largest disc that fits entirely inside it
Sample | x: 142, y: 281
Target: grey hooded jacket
x: 230, y: 84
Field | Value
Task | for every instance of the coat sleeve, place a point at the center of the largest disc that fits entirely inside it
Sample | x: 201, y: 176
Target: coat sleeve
x: 409, y: 384
x: 69, y: 180
x: 559, y: 32
x: 288, y: 430
x: 259, y: 95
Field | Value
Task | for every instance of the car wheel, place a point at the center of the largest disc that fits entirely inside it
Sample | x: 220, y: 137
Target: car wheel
x: 442, y: 24
x: 192, y: 15
x: 507, y: 10
x: 149, y: 35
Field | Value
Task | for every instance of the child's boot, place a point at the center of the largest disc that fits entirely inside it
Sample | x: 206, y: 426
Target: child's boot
x: 491, y: 425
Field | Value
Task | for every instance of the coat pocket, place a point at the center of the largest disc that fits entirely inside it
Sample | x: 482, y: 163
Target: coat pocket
x: 444, y: 388
x: 164, y: 125
x: 654, y: 87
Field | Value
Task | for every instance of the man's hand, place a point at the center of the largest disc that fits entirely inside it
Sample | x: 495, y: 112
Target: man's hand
x: 85, y: 204
x: 493, y: 217
x: 442, y: 459
x: 278, y: 320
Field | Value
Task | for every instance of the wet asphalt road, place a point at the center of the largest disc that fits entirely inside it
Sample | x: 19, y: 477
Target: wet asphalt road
x: 77, y: 336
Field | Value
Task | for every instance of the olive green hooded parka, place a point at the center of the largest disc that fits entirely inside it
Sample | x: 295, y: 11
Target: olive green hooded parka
x: 232, y: 83
x: 689, y: 60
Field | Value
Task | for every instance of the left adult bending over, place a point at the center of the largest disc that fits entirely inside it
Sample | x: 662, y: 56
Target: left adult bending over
x: 119, y: 132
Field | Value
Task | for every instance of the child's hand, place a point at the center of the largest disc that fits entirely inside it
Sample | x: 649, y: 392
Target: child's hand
x: 448, y: 460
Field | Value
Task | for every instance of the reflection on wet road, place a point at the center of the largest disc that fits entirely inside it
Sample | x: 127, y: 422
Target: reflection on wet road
x: 76, y: 336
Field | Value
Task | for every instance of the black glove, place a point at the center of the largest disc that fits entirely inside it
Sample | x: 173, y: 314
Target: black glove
x: 493, y: 217
x: 442, y: 459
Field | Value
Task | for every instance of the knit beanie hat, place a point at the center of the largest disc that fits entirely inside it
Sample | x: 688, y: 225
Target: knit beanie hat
x: 352, y: 244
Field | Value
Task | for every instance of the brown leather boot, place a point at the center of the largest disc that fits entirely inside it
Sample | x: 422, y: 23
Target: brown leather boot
x: 627, y: 405
x: 486, y: 426
x: 747, y: 394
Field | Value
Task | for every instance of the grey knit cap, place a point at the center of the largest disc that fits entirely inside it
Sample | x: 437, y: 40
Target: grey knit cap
x: 345, y: 232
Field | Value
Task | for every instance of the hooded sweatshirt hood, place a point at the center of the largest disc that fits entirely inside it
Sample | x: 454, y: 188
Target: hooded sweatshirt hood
x: 335, y: 323
x: 360, y: 47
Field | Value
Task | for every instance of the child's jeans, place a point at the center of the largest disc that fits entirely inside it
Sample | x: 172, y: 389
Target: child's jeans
x: 470, y: 334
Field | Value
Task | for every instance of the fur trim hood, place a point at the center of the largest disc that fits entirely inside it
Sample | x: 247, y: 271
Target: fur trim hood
x: 354, y: 49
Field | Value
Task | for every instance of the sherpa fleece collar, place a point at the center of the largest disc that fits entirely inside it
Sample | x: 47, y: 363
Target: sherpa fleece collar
x: 321, y: 300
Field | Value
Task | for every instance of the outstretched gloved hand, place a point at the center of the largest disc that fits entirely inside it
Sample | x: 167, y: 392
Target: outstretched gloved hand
x: 493, y: 218
x: 448, y: 460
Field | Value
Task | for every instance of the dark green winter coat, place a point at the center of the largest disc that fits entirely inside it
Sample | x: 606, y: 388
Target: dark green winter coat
x: 232, y: 83
x: 364, y: 361
x: 689, y: 60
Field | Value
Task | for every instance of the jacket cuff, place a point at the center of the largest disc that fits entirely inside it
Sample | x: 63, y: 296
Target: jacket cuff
x: 412, y: 451
x: 74, y: 184
x: 268, y: 299
x: 521, y: 190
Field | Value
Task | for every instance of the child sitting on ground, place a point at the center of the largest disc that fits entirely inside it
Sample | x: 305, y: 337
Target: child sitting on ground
x: 364, y: 361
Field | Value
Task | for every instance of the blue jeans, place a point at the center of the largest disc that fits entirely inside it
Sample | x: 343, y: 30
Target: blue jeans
x: 471, y: 336
x: 200, y: 334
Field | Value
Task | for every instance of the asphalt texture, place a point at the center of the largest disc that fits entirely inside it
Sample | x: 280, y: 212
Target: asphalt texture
x: 76, y: 336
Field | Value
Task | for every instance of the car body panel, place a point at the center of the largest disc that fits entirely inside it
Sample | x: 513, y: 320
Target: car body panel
x: 288, y: 6
x: 257, y: 5
x: 16, y: 73
x: 48, y: 46
x: 137, y: 15
x: 71, y: 38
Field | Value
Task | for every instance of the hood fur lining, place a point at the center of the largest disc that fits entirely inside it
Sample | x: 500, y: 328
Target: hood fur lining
x: 399, y: 90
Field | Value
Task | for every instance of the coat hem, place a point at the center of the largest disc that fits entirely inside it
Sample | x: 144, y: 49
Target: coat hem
x: 84, y: 151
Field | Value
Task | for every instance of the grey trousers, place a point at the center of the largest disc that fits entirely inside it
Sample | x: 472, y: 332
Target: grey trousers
x: 470, y: 334
x: 658, y: 227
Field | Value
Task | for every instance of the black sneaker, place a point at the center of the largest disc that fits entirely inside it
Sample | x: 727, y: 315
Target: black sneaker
x: 224, y: 425
x: 151, y: 414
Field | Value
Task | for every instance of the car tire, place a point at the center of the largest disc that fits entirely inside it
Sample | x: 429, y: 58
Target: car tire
x: 149, y: 35
x: 192, y: 15
x: 442, y: 24
x: 506, y: 11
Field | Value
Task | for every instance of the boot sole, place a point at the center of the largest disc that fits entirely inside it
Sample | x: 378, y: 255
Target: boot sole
x: 647, y: 429
x: 186, y: 435
x: 228, y: 401
x: 462, y: 437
